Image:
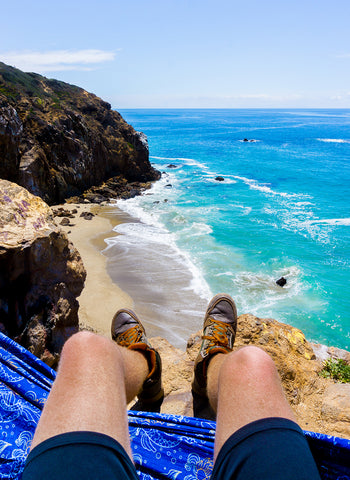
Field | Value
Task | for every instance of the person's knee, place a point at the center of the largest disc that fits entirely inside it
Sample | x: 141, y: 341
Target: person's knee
x: 248, y: 360
x: 80, y: 341
x: 84, y: 346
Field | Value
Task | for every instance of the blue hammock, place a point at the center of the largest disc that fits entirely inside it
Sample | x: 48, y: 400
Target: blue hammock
x: 164, y: 446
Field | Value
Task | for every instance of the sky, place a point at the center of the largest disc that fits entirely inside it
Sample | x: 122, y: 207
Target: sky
x: 187, y: 53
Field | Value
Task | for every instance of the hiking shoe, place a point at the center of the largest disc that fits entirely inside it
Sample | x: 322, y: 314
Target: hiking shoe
x: 219, y: 331
x: 127, y: 331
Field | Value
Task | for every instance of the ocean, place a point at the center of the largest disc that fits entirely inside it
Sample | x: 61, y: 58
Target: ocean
x: 280, y: 208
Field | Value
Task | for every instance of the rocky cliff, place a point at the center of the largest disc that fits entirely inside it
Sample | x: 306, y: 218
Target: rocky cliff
x: 41, y: 275
x: 57, y: 140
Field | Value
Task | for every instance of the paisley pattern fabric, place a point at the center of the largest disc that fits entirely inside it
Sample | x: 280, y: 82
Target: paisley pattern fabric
x: 164, y: 446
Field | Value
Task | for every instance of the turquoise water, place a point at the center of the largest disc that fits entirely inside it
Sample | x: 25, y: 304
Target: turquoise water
x: 282, y: 209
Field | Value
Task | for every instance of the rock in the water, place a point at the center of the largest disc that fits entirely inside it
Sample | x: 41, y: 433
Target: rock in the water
x: 281, y: 282
x: 41, y: 274
x: 219, y: 179
x: 171, y: 166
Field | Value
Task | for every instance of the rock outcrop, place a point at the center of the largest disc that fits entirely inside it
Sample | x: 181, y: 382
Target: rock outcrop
x: 57, y: 140
x: 319, y: 404
x: 41, y: 275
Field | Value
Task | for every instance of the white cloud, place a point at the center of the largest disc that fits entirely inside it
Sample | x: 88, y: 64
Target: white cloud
x: 56, y: 60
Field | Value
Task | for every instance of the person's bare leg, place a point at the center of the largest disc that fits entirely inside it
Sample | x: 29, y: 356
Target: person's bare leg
x: 242, y: 387
x: 95, y: 380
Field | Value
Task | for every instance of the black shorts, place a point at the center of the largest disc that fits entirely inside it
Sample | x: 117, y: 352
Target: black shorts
x: 268, y: 449
x: 75, y: 455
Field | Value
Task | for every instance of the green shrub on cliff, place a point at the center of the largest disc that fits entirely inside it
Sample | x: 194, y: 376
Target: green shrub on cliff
x: 338, y: 369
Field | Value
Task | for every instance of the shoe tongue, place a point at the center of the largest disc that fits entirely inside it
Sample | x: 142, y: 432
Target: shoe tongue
x: 222, y: 312
x: 126, y: 321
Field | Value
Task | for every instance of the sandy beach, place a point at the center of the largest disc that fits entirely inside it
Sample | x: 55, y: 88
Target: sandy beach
x: 100, y: 298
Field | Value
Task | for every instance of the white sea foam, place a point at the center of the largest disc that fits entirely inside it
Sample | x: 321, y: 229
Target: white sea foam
x: 172, y: 158
x: 150, y: 230
x: 259, y: 294
x: 333, y: 140
x: 187, y: 161
x: 300, y: 218
x: 331, y: 221
x: 303, y: 204
x: 197, y: 229
x: 263, y: 187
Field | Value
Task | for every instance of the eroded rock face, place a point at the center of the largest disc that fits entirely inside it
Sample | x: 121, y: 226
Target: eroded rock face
x: 57, y: 140
x: 11, y: 130
x: 41, y: 275
x: 318, y: 403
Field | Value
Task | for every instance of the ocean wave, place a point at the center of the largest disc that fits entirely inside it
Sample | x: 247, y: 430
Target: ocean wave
x: 151, y: 232
x: 197, y: 229
x: 148, y: 207
x: 187, y: 161
x: 333, y: 140
x: 263, y: 187
x: 299, y: 219
x: 246, y: 210
x: 172, y: 158
x: 303, y: 204
x: 331, y: 221
x: 137, y: 231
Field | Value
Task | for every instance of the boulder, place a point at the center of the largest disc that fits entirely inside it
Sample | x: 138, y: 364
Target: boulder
x: 87, y: 215
x: 41, y: 275
x: 219, y: 179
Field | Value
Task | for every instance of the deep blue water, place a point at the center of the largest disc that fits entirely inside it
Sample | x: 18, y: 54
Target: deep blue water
x: 282, y: 209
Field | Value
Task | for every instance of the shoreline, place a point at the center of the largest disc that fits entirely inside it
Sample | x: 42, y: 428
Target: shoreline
x: 101, y: 297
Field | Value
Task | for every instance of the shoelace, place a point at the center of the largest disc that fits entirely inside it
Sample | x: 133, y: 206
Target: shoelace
x: 131, y: 336
x: 218, y: 336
